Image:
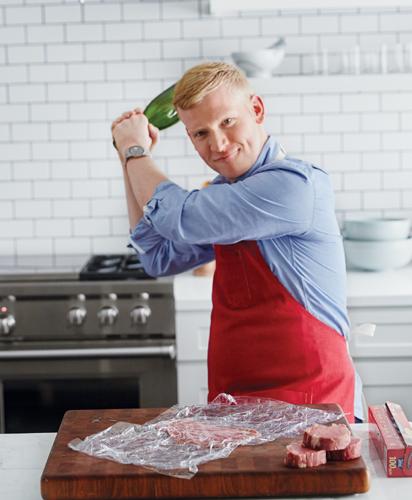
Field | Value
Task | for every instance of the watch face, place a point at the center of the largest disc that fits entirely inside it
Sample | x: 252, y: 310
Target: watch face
x: 136, y: 150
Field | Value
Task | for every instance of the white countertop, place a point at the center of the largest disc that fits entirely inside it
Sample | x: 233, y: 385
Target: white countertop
x: 192, y: 292
x: 389, y: 288
x: 23, y: 457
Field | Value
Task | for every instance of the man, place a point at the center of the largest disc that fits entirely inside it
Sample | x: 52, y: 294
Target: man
x: 279, y: 323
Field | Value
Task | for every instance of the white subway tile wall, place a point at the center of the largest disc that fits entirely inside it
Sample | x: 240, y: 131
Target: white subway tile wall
x: 68, y: 69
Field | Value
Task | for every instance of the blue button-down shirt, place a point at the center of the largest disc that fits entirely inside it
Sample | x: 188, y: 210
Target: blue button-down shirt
x: 286, y: 205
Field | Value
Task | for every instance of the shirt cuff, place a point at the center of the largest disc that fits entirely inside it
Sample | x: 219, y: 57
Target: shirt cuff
x: 133, y: 244
x: 153, y: 206
x: 148, y: 209
x: 143, y: 237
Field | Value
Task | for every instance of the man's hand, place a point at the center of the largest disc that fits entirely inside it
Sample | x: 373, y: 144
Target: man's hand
x: 133, y: 129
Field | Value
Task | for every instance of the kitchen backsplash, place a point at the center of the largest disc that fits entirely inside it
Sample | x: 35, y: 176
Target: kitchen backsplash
x: 68, y: 69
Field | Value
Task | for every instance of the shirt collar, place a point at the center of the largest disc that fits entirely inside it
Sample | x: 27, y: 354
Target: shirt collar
x: 269, y: 152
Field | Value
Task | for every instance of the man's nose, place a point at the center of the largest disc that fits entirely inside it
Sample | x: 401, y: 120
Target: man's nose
x: 218, y: 141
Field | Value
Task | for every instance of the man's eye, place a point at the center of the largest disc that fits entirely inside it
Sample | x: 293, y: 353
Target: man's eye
x: 199, y: 134
x: 228, y: 120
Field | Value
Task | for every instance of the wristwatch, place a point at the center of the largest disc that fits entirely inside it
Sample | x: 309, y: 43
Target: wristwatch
x: 135, y: 152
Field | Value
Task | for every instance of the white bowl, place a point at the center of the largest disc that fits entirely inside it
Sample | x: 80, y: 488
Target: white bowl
x: 378, y: 255
x: 259, y: 63
x: 377, y: 229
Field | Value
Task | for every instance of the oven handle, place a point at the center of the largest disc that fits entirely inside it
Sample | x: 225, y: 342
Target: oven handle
x: 169, y: 350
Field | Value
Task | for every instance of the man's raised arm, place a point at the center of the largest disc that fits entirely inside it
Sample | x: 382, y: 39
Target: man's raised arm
x: 141, y: 174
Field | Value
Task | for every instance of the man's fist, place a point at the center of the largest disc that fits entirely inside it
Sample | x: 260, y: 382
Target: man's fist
x: 133, y: 129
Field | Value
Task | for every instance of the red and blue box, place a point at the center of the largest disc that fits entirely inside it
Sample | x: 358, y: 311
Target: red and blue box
x: 392, y: 434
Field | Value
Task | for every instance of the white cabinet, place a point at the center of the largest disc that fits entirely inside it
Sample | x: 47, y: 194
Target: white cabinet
x: 192, y: 329
x: 192, y: 338
x: 193, y: 302
x: 384, y: 362
x: 192, y: 382
x: 393, y: 335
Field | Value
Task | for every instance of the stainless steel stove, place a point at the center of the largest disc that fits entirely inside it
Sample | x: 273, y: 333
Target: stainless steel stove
x: 71, y: 323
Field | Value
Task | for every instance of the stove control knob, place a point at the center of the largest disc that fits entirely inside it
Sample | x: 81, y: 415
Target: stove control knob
x: 76, y: 316
x: 140, y: 315
x: 107, y: 315
x: 7, y: 324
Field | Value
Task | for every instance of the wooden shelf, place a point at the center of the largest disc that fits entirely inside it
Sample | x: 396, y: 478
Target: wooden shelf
x: 221, y: 6
x: 391, y: 82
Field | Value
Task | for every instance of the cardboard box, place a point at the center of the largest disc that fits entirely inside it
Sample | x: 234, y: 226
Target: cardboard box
x: 392, y: 435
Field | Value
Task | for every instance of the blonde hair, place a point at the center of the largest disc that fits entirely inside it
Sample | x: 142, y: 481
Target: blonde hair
x: 198, y: 81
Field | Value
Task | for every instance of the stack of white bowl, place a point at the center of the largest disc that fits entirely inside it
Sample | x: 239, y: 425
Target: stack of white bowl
x: 261, y: 63
x: 378, y: 244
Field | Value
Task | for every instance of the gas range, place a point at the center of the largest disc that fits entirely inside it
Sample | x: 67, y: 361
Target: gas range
x: 87, y: 317
x: 101, y: 297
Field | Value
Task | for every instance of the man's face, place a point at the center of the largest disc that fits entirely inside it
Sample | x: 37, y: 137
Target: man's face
x: 226, y: 130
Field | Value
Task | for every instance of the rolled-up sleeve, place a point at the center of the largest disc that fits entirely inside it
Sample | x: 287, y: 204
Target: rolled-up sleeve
x: 269, y: 204
x: 180, y: 227
x: 163, y: 257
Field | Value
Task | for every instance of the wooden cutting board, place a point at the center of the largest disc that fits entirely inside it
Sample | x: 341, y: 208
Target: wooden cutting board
x: 250, y: 471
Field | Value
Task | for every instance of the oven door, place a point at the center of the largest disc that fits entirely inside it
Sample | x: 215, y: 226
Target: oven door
x: 37, y: 386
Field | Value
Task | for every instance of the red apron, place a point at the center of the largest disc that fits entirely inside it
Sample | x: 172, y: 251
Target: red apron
x: 264, y: 343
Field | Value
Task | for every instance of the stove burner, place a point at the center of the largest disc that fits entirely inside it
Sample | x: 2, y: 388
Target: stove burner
x: 113, y: 267
x: 134, y: 266
x: 110, y: 262
x: 133, y: 258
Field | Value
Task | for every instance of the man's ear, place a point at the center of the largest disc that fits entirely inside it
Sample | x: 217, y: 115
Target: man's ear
x: 258, y: 108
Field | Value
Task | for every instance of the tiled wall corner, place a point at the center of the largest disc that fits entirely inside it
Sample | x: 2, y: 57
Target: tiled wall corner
x: 68, y: 69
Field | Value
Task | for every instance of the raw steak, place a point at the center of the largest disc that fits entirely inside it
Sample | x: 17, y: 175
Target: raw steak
x: 354, y: 450
x: 299, y: 456
x: 322, y: 437
x: 188, y: 431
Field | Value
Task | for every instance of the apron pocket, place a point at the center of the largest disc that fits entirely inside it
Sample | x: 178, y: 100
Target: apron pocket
x: 234, y: 285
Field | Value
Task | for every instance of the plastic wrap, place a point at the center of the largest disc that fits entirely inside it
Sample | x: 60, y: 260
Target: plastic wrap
x: 181, y: 438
